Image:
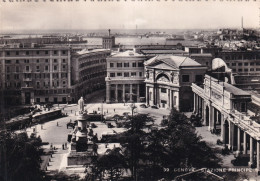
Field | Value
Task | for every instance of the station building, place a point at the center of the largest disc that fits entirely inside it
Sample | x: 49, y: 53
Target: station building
x: 125, y: 77
x: 224, y: 110
x: 168, y: 80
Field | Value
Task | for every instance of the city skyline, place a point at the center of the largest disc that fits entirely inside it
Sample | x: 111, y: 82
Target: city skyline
x: 128, y: 15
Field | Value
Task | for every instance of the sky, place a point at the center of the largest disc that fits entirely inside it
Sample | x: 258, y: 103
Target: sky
x: 128, y: 15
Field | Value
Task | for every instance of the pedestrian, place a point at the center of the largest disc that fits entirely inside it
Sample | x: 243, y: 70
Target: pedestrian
x: 63, y: 146
x: 57, y: 123
x: 70, y: 120
x: 114, y: 110
x: 71, y: 111
x: 41, y: 126
x: 51, y: 146
x: 107, y: 110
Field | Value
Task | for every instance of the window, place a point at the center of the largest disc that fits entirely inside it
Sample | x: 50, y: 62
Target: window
x: 55, y: 67
x: 55, y: 52
x: 46, y: 60
x: 38, y: 84
x: 64, y: 82
x: 239, y: 64
x: 233, y: 64
x: 252, y: 69
x: 245, y: 70
x: 37, y: 68
x: 126, y: 64
x: 163, y: 90
x: 37, y: 61
x: 63, y: 60
x: 27, y: 52
x: 140, y: 64
x: 27, y: 68
x: 199, y: 78
x: 243, y: 107
x: 134, y: 64
x: 55, y: 60
x: 16, y: 61
x: 227, y: 64
x: 7, y: 61
x: 37, y: 52
x: 252, y: 63
x: 46, y: 52
x: 119, y: 74
x: 8, y: 69
x: 133, y: 74
x: 239, y: 70
x: 119, y: 64
x: 16, y: 53
x: 17, y: 69
x: 63, y: 52
x: 140, y: 74
x: 46, y: 68
x: 112, y: 74
x: 8, y: 53
x: 111, y: 64
x: 234, y: 70
x: 246, y: 64
x: 126, y: 74
x: 185, y: 78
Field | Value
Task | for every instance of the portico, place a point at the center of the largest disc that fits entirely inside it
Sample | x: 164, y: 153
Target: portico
x: 223, y: 108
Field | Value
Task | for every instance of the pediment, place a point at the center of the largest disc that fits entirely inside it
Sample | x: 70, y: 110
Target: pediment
x: 162, y: 65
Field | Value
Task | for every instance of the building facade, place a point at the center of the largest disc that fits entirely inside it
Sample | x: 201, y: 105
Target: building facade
x: 35, y: 74
x: 125, y: 77
x: 224, y: 110
x: 88, y: 71
x: 168, y: 81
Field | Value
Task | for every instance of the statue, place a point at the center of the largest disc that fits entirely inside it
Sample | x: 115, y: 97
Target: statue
x: 81, y: 105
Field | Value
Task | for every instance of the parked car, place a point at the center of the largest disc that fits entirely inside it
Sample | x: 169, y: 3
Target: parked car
x: 143, y: 106
x: 154, y: 107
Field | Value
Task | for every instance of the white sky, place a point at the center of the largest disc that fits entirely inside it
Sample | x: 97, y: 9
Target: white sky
x: 118, y: 15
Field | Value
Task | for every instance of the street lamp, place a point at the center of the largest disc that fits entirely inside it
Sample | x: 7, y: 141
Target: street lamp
x: 133, y: 107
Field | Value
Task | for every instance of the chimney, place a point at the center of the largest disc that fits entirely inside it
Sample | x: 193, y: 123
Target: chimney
x: 109, y: 32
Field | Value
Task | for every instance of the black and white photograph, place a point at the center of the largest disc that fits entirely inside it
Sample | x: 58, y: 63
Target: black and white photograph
x: 129, y: 90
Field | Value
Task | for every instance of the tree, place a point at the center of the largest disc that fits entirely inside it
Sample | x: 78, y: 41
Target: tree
x: 112, y: 163
x: 19, y: 153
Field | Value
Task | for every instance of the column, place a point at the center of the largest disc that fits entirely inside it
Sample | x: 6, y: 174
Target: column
x: 223, y: 129
x: 194, y: 102
x: 257, y: 156
x: 238, y: 141
x: 131, y: 92
x: 244, y: 144
x: 205, y: 114
x: 211, y: 118
x: 198, y: 105
x: 138, y: 93
x: 170, y: 101
x: 251, y: 152
x: 211, y: 124
x: 147, y: 95
x: 154, y: 95
x: 123, y: 93
x: 231, y: 136
x: 202, y: 110
x: 108, y: 96
x: 116, y: 93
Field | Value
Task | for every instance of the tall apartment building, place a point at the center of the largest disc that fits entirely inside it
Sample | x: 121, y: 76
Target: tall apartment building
x: 88, y: 71
x: 125, y: 77
x: 35, y: 74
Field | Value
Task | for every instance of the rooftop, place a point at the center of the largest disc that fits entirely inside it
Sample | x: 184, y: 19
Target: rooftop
x: 201, y: 55
x: 128, y: 53
x: 174, y: 61
x: 236, y: 91
x: 85, y: 51
x: 162, y: 51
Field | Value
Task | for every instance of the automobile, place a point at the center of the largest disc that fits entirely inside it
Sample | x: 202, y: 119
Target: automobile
x: 154, y: 107
x: 143, y: 106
